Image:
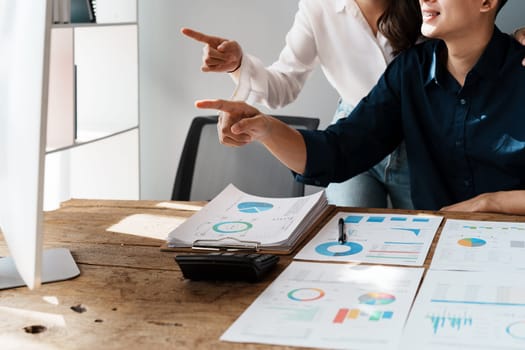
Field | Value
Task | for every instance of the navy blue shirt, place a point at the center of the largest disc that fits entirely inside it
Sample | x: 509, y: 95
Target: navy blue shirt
x: 461, y: 141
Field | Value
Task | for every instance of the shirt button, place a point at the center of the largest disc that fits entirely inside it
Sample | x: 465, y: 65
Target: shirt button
x: 459, y: 143
x: 463, y: 101
x: 467, y: 183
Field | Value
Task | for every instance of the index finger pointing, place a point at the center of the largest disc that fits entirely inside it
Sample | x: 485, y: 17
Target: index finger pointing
x: 221, y: 105
x: 201, y: 37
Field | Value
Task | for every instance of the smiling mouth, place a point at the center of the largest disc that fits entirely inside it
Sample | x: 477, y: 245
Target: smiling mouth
x: 430, y: 14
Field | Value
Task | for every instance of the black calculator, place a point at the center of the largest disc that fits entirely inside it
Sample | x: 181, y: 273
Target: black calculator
x: 230, y: 266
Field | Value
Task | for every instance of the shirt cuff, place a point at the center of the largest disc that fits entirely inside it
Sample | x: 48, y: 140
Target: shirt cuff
x: 319, y: 159
x: 241, y: 77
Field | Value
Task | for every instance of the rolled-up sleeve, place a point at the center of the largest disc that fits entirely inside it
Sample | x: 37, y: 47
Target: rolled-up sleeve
x: 320, y: 157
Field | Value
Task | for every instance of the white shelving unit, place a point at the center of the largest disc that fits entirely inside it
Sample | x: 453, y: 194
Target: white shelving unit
x: 93, y: 119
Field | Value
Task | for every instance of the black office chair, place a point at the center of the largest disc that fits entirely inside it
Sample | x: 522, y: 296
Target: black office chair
x: 206, y: 167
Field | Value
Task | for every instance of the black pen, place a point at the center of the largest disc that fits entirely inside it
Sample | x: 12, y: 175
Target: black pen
x: 342, y: 233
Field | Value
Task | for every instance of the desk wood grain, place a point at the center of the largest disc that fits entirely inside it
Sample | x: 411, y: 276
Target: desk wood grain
x: 134, y: 295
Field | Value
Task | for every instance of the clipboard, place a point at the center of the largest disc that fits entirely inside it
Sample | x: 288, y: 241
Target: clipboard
x: 232, y: 244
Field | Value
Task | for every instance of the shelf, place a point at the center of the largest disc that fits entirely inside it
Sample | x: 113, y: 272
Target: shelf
x: 92, y: 148
x: 87, y: 138
x: 88, y: 25
x: 93, y: 85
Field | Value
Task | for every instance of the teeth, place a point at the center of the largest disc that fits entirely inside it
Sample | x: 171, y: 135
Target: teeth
x: 429, y: 14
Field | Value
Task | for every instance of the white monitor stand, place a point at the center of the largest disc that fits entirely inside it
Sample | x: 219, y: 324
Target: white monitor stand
x: 57, y: 265
x: 24, y: 69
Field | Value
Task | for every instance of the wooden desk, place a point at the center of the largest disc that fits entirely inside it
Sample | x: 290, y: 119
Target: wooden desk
x: 134, y: 295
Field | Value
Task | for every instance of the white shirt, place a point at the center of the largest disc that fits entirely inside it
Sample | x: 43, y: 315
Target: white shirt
x: 333, y: 33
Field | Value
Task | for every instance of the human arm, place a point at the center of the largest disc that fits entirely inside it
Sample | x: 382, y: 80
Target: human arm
x: 279, y: 84
x: 508, y: 202
x: 351, y: 146
x: 321, y: 156
x: 240, y: 124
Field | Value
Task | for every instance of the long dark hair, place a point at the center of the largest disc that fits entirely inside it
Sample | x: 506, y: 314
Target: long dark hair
x: 401, y: 24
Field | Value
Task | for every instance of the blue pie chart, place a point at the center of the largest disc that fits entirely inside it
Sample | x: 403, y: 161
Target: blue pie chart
x: 336, y: 249
x: 254, y: 207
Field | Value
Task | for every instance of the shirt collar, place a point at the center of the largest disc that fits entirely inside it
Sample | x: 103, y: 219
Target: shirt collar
x: 341, y: 5
x: 493, y: 57
x: 434, y: 64
x: 489, y: 62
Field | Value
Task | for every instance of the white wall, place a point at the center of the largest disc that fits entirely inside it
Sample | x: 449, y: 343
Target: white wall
x: 512, y: 16
x: 170, y: 77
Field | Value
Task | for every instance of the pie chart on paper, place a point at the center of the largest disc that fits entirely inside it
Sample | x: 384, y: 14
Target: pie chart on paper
x: 254, y: 207
x: 472, y: 242
x: 376, y: 298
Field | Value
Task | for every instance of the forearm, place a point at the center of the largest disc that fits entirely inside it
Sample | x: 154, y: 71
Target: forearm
x: 275, y: 86
x: 286, y: 144
x: 507, y: 202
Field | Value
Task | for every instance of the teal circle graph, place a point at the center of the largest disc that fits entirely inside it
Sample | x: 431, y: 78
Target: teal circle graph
x: 516, y: 330
x: 349, y: 248
x: 306, y: 294
x: 227, y: 227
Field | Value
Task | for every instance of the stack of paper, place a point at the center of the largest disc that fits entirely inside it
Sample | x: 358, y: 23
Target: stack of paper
x: 238, y: 220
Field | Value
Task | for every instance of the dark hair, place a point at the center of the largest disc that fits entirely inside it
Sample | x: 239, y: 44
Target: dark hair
x: 401, y: 24
x: 501, y: 3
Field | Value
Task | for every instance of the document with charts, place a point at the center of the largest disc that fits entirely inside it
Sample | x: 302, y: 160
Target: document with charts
x: 468, y: 310
x: 396, y: 239
x: 480, y: 245
x: 238, y: 220
x: 334, y: 306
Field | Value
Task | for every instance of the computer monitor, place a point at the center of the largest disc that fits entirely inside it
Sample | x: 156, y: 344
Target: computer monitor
x: 24, y: 60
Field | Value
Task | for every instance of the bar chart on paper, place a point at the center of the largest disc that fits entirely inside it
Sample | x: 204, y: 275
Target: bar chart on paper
x: 445, y: 321
x: 468, y: 309
x: 338, y: 306
x: 480, y: 245
x: 373, y: 238
x: 346, y: 315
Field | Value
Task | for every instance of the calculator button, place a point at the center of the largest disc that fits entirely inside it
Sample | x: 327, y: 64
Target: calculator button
x: 265, y: 257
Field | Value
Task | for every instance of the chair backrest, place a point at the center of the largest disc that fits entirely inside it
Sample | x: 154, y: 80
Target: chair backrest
x: 206, y: 167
